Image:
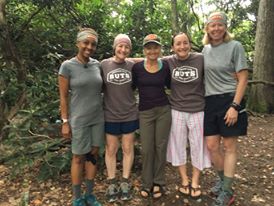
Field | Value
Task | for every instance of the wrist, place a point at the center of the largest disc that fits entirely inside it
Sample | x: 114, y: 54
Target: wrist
x: 235, y: 106
x: 64, y: 121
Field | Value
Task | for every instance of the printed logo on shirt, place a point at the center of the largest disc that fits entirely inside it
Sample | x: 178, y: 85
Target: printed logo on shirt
x: 119, y: 76
x: 185, y: 74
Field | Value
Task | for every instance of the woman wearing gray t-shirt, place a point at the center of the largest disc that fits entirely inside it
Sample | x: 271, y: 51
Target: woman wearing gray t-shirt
x: 80, y: 86
x: 225, y: 116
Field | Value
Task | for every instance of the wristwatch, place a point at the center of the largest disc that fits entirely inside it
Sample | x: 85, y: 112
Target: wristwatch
x: 236, y: 106
x: 64, y: 121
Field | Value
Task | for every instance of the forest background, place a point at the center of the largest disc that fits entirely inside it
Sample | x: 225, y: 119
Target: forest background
x: 38, y: 35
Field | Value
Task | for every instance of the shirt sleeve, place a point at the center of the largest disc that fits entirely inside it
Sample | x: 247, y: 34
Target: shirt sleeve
x: 168, y: 77
x: 64, y: 71
x: 239, y: 59
x: 134, y: 77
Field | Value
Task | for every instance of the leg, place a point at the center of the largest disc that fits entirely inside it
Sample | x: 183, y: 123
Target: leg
x: 77, y: 166
x: 213, y: 144
x: 162, y: 127
x: 176, y: 150
x: 184, y: 187
x: 147, y: 133
x: 230, y: 159
x: 195, y: 185
x: 128, y: 153
x: 90, y: 167
x: 112, y: 145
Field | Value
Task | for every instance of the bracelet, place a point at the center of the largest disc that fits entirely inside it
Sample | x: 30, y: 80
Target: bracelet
x: 64, y: 121
x: 236, y: 106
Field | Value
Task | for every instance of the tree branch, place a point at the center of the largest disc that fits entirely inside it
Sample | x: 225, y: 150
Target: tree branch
x: 195, y: 15
x: 261, y: 82
x: 25, y: 25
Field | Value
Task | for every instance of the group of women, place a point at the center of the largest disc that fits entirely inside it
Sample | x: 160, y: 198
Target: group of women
x: 204, y: 107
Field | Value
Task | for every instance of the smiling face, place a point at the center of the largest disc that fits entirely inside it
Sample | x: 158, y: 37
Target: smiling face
x: 181, y: 46
x: 216, y: 32
x: 122, y: 51
x: 87, y: 46
x: 152, y: 51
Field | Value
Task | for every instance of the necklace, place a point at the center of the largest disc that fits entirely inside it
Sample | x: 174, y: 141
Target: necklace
x: 154, y: 67
x: 82, y: 61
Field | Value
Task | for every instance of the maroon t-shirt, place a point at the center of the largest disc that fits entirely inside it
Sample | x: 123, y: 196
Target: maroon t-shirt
x: 119, y: 100
x: 151, y: 86
x: 187, y: 83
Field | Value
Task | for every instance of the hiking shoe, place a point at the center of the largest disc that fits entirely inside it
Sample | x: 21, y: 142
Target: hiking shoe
x: 125, y: 188
x: 225, y: 198
x: 91, y: 200
x: 79, y: 202
x: 112, y: 193
x: 217, y: 188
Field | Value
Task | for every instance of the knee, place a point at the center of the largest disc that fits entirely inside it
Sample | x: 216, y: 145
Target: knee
x: 128, y: 150
x: 230, y: 148
x: 111, y: 150
x: 213, y: 147
x: 78, y: 159
x: 92, y: 156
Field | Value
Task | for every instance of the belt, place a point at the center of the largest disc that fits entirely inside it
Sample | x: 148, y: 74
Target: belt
x: 230, y: 94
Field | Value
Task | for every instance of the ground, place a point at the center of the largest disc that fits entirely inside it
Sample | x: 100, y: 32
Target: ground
x: 254, y: 185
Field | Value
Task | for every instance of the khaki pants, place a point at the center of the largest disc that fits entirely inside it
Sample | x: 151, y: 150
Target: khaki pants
x: 154, y: 130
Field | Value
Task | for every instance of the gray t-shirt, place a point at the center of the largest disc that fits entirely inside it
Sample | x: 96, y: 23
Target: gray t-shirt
x: 221, y: 62
x: 119, y: 100
x: 187, y: 83
x: 85, y: 85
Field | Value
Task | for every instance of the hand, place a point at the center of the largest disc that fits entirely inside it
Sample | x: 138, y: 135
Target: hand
x: 66, y: 132
x: 231, y: 117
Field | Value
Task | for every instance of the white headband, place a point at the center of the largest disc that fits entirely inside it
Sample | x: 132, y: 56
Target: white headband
x: 82, y: 35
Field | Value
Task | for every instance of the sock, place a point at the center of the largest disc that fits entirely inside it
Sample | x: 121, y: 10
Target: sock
x: 89, y: 185
x: 112, y: 181
x: 228, y: 184
x: 125, y: 179
x: 76, y: 189
x: 221, y: 174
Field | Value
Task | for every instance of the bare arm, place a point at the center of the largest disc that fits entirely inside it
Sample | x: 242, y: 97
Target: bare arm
x: 231, y: 116
x: 64, y: 91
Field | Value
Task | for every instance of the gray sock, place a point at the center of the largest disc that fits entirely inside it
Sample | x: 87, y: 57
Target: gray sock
x: 76, y: 189
x: 89, y: 185
x: 228, y: 184
x: 221, y: 174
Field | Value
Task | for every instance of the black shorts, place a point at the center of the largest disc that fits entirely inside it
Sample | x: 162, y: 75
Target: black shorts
x: 216, y: 107
x: 119, y: 128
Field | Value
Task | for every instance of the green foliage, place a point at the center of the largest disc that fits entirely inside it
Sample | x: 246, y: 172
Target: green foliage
x: 44, y: 33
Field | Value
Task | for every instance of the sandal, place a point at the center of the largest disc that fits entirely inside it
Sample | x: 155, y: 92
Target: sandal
x: 195, y: 190
x: 158, y: 191
x: 184, y: 190
x: 145, y: 192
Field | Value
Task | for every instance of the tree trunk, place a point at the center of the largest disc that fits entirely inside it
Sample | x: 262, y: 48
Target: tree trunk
x: 10, y: 53
x: 262, y: 95
x: 174, y: 15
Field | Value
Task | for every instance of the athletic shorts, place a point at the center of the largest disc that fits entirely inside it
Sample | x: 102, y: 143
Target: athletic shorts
x: 119, y: 128
x: 84, y: 138
x: 216, y: 107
